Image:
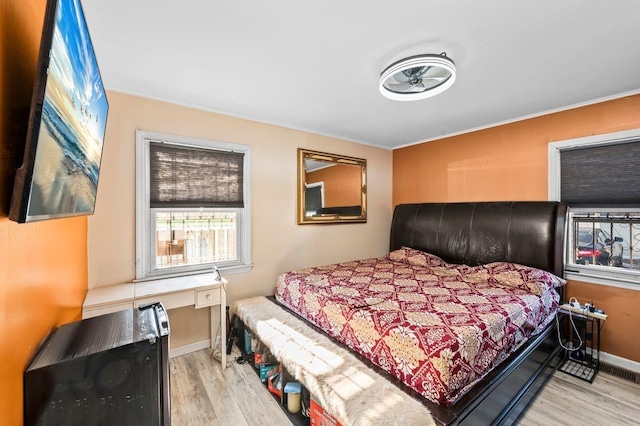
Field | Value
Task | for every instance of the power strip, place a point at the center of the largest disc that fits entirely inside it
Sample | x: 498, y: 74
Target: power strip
x: 583, y: 311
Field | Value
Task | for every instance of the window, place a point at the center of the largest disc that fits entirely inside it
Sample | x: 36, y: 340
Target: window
x: 598, y: 178
x: 192, y: 206
x: 605, y: 238
x: 314, y: 198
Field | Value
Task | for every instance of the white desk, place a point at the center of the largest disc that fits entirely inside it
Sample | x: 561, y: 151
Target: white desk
x: 201, y: 291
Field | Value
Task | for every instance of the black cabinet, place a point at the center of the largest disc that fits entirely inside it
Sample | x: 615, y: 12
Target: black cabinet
x: 107, y: 370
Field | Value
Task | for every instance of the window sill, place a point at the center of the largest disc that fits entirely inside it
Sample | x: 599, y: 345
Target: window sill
x: 626, y: 283
x: 228, y: 270
x: 238, y: 269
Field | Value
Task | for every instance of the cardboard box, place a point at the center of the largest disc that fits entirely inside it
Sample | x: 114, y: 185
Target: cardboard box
x: 257, y: 359
x: 268, y: 370
x: 319, y: 417
x: 263, y: 356
x: 274, y: 383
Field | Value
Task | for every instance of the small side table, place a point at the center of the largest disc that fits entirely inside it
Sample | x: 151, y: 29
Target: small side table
x: 584, y: 362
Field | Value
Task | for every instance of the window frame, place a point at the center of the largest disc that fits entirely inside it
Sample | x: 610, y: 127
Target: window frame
x: 604, y: 275
x: 145, y: 227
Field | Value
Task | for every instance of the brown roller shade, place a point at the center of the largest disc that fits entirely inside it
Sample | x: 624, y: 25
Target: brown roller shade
x: 182, y: 176
x: 601, y: 175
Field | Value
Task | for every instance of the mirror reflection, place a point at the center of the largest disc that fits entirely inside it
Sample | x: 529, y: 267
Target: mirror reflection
x: 331, y: 188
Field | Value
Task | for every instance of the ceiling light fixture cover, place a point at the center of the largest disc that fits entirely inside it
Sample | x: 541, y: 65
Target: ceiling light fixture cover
x: 417, y: 77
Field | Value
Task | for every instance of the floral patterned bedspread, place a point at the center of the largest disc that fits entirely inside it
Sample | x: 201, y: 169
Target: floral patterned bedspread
x: 437, y: 327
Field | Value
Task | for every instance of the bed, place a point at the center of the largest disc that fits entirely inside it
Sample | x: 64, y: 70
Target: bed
x: 490, y: 273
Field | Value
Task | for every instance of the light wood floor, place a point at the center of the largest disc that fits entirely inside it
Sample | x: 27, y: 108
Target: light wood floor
x: 202, y: 394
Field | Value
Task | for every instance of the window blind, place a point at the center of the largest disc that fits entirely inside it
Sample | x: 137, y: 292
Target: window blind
x: 601, y: 175
x: 182, y: 176
x: 313, y: 198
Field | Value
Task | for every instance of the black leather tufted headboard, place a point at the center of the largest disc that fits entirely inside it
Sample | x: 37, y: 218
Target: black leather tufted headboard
x: 525, y: 232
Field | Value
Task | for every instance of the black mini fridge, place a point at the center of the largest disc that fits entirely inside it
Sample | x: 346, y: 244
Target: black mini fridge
x: 107, y: 370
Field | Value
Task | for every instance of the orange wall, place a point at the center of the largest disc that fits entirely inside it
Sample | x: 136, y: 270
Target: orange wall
x: 342, y: 184
x: 621, y: 305
x: 509, y: 162
x: 43, y: 266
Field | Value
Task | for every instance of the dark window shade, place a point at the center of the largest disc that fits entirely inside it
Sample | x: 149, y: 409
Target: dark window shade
x: 601, y: 175
x: 313, y: 198
x: 194, y: 177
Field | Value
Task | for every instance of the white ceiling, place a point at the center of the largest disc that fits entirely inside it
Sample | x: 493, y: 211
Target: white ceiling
x: 314, y: 65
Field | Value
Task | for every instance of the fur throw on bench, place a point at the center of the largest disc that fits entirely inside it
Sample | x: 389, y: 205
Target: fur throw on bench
x: 345, y: 386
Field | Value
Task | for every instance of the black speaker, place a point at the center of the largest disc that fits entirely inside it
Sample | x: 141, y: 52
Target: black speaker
x: 108, y: 370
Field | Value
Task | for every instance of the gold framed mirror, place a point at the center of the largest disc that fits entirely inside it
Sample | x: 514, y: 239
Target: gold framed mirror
x: 331, y: 188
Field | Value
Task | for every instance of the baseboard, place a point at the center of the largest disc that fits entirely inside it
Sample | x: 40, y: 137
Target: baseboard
x: 620, y: 362
x: 182, y: 350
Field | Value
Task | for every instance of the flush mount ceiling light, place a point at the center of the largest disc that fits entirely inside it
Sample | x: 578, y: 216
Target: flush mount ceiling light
x: 417, y: 77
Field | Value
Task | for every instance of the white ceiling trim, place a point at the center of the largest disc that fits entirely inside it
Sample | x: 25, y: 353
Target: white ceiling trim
x: 526, y: 117
x: 241, y: 117
x: 449, y: 135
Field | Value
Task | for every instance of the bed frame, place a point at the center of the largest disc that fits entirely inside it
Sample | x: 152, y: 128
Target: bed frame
x: 528, y: 233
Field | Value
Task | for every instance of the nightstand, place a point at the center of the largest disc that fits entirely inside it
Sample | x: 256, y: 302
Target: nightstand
x: 583, y: 362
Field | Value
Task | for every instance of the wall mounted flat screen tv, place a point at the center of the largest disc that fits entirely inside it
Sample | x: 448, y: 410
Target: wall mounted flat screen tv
x: 63, y: 151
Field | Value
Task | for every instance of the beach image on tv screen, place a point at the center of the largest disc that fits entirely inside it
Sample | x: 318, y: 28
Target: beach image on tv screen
x: 69, y: 149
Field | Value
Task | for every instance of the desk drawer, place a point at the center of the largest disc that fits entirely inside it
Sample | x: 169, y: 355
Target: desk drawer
x: 169, y: 300
x: 208, y: 297
x: 90, y: 313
